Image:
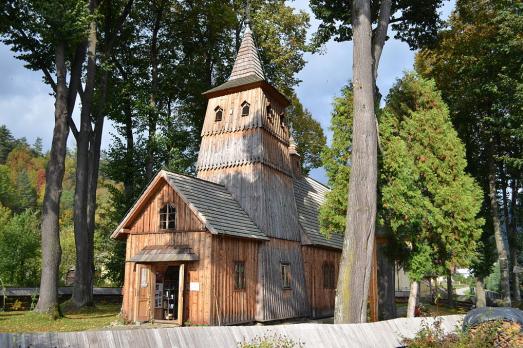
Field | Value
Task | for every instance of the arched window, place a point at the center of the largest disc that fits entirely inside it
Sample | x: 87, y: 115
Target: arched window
x: 245, y: 108
x: 218, y: 111
x: 168, y: 217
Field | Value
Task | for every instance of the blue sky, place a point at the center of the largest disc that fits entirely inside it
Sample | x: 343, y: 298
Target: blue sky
x: 26, y: 106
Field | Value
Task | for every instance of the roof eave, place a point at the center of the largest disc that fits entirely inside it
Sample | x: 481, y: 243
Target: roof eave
x: 267, y: 87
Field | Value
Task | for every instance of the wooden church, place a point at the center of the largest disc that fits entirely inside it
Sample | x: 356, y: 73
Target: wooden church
x: 240, y: 242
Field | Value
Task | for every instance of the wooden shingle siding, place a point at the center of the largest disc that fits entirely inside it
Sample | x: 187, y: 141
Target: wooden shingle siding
x: 321, y: 299
x: 273, y: 301
x: 233, y: 121
x: 265, y: 194
x: 240, y: 148
x: 230, y: 305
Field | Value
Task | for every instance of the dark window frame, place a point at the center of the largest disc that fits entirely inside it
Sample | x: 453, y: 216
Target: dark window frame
x: 218, y: 114
x: 168, y: 217
x: 246, y: 108
x: 239, y: 275
x: 285, y: 271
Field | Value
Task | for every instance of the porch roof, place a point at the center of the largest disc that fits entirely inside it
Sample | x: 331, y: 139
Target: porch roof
x: 164, y: 253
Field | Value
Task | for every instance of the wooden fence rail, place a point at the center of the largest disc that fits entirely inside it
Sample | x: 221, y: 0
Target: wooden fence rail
x: 379, y: 334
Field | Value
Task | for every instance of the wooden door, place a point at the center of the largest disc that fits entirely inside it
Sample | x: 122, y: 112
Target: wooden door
x: 181, y: 284
x: 144, y: 293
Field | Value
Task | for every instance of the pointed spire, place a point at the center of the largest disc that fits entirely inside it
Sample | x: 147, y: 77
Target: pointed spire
x: 292, y: 146
x: 247, y: 60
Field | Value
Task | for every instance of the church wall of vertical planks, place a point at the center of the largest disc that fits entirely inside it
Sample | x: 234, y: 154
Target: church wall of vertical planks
x: 240, y: 242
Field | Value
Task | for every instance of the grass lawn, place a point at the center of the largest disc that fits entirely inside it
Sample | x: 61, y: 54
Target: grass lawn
x: 91, y: 318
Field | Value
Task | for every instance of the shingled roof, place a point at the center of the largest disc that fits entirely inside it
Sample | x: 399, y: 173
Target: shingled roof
x: 247, y: 60
x: 215, y: 206
x: 310, y: 195
x: 247, y: 72
x: 211, y: 202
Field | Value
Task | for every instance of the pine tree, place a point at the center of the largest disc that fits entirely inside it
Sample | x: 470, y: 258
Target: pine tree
x: 430, y: 204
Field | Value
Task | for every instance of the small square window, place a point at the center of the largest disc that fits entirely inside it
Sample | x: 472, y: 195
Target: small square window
x: 239, y: 275
x: 286, y: 275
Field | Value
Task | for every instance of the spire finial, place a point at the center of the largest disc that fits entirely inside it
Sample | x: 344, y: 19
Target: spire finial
x: 247, y: 12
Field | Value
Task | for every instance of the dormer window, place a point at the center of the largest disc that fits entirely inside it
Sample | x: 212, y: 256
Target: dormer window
x: 245, y: 108
x: 168, y: 217
x: 218, y: 114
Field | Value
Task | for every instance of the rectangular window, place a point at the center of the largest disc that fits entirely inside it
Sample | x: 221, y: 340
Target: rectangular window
x: 168, y: 217
x: 239, y: 275
x: 286, y: 275
x: 143, y: 277
x: 329, y: 278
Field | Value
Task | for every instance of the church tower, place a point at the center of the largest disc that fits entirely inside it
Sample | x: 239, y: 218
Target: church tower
x: 245, y: 145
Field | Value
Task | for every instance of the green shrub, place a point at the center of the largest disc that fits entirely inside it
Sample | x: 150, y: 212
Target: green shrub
x: 499, y: 334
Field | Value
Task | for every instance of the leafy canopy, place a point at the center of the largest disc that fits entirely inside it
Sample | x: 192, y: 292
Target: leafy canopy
x: 415, y: 22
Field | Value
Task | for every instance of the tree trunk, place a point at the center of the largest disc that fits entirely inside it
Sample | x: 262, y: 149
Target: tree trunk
x: 500, y: 242
x: 153, y: 113
x: 51, y: 250
x: 514, y: 250
x: 450, y: 298
x: 413, y: 299
x: 481, y: 300
x: 83, y: 285
x: 355, y: 265
x: 386, y: 288
x: 129, y: 181
x: 93, y: 168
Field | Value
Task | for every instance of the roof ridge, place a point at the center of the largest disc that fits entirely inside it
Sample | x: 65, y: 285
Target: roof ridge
x: 196, y: 178
x: 316, y: 181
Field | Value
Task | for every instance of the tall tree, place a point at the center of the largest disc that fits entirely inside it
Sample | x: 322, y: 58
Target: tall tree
x: 98, y: 45
x: 358, y: 246
x: 430, y: 204
x: 415, y: 22
x: 477, y: 66
x: 46, y: 34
